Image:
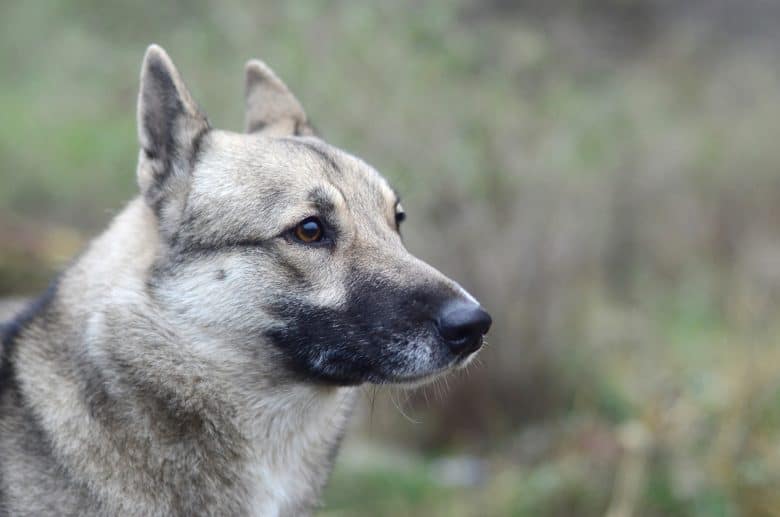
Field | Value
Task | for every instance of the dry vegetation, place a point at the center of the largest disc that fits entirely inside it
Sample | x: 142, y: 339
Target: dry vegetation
x: 602, y: 174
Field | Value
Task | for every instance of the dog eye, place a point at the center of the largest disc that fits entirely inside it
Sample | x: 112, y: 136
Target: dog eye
x: 400, y: 215
x: 309, y: 230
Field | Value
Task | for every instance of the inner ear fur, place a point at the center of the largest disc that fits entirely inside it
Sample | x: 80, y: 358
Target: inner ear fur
x: 170, y: 127
x: 271, y: 108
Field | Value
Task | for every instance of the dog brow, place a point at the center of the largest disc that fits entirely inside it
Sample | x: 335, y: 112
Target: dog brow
x: 317, y: 150
x: 322, y: 200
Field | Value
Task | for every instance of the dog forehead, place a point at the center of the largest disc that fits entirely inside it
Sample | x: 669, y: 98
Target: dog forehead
x: 232, y: 164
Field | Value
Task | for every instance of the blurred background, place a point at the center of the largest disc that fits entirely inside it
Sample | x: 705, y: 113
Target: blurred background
x: 602, y: 174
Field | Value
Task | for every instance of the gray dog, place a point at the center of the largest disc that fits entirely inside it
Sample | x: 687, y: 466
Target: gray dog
x: 201, y: 357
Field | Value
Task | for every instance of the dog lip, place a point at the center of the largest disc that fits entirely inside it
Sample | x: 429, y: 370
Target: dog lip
x: 420, y: 379
x: 477, y: 344
x: 476, y: 347
x: 466, y: 346
x: 457, y: 361
x: 413, y: 381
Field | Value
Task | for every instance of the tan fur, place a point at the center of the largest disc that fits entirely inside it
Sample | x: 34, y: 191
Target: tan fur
x: 149, y: 383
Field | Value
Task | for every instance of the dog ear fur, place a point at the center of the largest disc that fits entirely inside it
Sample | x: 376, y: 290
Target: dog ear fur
x: 170, y: 127
x: 271, y: 109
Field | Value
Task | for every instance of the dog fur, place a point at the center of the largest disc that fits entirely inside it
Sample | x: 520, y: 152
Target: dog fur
x: 198, y: 358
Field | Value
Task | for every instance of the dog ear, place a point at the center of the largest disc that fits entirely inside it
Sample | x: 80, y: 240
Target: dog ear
x: 170, y: 127
x: 271, y: 109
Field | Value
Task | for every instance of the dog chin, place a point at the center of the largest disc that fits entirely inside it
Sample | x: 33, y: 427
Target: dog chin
x: 418, y: 379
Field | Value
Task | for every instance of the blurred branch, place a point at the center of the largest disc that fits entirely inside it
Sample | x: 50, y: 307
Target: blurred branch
x: 635, y: 440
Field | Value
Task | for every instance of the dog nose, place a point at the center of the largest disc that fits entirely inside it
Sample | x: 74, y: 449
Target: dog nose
x: 462, y: 324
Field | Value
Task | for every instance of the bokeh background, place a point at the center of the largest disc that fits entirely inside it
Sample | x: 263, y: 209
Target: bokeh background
x: 602, y: 174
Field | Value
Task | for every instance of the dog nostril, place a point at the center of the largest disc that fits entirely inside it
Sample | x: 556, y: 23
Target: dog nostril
x: 462, y: 325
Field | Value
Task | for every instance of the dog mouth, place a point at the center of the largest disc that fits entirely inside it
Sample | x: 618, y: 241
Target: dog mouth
x: 378, y: 341
x: 420, y: 378
x: 460, y: 328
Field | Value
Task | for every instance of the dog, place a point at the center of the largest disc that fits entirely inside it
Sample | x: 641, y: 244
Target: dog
x: 202, y: 355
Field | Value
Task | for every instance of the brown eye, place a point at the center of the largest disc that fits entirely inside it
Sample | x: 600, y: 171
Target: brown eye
x: 309, y: 230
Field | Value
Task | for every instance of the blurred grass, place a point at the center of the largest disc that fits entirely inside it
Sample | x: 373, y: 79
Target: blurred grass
x: 602, y: 175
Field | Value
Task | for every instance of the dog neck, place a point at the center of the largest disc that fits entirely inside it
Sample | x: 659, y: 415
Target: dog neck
x: 160, y: 419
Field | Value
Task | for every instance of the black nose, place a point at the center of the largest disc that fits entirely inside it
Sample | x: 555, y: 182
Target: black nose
x: 462, y: 324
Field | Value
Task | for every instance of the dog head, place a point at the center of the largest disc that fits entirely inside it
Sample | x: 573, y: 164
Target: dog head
x: 288, y: 248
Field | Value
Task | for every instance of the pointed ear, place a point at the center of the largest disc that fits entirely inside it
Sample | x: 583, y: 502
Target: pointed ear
x: 170, y: 127
x: 271, y: 108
